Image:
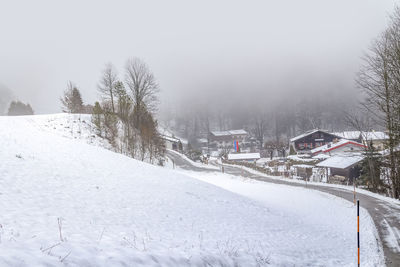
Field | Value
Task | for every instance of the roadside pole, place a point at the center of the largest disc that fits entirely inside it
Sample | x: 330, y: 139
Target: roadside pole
x: 354, y: 191
x: 358, y: 233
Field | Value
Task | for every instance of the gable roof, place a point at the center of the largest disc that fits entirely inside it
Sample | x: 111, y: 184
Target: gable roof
x: 373, y: 135
x: 332, y: 146
x: 348, y: 134
x: 341, y: 161
x: 240, y: 131
x: 228, y: 133
x: 308, y: 133
x: 220, y: 133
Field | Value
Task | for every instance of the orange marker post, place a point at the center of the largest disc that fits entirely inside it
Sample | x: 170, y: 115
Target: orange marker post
x: 358, y: 232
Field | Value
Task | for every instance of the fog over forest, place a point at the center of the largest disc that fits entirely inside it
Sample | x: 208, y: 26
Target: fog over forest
x: 226, y: 61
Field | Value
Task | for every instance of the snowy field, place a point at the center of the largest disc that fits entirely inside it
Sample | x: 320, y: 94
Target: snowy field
x: 65, y: 202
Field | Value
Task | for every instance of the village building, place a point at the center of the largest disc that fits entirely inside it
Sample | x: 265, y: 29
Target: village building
x: 172, y: 143
x: 339, y: 147
x: 227, y: 138
x: 339, y: 169
x: 304, y: 143
x: 248, y: 157
x: 378, y: 138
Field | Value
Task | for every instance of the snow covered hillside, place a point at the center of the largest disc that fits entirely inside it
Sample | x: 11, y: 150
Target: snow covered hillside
x: 64, y: 202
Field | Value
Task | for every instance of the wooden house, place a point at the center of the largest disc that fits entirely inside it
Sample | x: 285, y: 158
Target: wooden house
x: 304, y: 143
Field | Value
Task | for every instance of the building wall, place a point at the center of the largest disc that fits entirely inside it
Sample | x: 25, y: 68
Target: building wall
x: 226, y: 140
x: 344, y: 149
x: 378, y: 144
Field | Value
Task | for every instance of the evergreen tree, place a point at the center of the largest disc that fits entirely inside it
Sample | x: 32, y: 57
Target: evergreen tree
x: 77, y: 102
x: 96, y: 118
x: 72, y: 100
x: 18, y: 108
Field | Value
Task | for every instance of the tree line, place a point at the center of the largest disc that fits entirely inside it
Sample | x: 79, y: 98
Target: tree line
x: 379, y: 80
x: 125, y: 114
x: 17, y: 108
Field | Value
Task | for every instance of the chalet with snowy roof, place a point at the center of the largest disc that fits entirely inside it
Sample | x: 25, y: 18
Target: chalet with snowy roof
x: 172, y: 143
x: 341, y: 168
x: 224, y: 138
x: 338, y: 147
x: 304, y: 143
x: 377, y: 138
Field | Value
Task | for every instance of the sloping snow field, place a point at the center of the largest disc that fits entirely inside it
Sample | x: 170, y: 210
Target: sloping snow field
x: 64, y: 202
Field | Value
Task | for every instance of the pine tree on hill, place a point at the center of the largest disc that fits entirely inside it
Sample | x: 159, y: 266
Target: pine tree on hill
x: 18, y: 108
x: 72, y: 100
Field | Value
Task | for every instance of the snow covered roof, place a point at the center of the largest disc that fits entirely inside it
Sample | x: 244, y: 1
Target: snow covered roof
x: 376, y: 136
x: 373, y: 135
x: 220, y: 133
x: 340, y: 161
x: 307, y: 133
x: 348, y: 134
x: 202, y: 140
x: 165, y: 132
x: 240, y: 131
x: 227, y: 133
x: 333, y: 146
x: 170, y: 138
x: 244, y: 156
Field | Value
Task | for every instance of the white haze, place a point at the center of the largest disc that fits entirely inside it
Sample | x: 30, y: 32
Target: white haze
x: 264, y: 49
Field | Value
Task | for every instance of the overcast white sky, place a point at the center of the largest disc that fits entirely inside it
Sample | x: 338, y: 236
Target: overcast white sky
x: 191, y: 46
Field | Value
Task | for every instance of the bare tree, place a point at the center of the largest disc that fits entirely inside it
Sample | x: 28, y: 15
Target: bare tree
x: 358, y: 121
x: 143, y: 88
x: 260, y: 128
x: 108, y: 84
x: 379, y: 78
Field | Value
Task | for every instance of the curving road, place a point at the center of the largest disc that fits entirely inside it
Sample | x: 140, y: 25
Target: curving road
x: 386, y: 215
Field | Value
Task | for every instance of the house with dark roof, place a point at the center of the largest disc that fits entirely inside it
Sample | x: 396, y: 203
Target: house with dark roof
x: 305, y: 142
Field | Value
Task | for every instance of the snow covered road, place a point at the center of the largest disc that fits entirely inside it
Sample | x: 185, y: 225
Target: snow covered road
x: 386, y: 215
